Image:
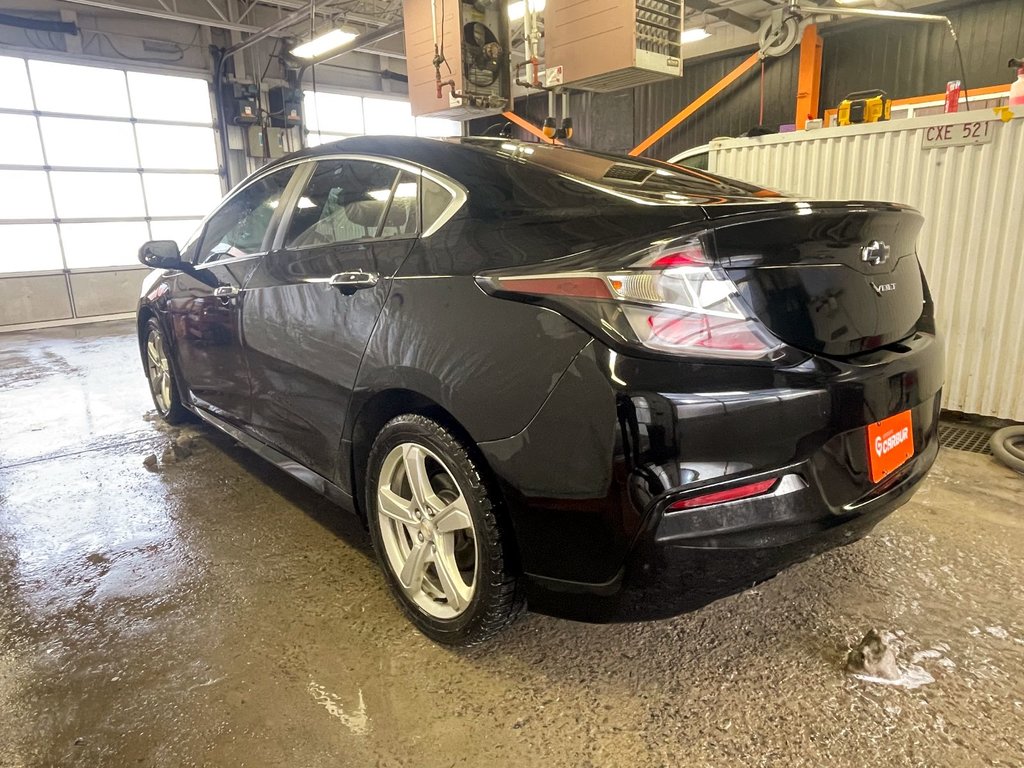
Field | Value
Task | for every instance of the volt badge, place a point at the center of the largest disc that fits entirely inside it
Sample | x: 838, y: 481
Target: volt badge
x: 881, y: 288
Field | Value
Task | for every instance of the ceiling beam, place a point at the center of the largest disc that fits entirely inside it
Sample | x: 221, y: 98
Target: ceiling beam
x: 274, y: 29
x: 358, y: 18
x: 160, y: 13
x: 724, y: 14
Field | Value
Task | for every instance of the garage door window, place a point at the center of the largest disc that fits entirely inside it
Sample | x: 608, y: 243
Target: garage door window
x: 334, y: 116
x: 84, y: 179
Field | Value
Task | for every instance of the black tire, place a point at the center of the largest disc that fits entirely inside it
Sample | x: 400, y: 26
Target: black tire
x: 172, y: 411
x: 496, y: 600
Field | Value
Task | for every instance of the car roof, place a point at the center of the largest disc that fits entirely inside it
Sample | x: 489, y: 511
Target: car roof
x: 461, y: 158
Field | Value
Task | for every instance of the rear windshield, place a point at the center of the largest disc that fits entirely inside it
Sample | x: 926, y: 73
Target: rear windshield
x: 650, y: 181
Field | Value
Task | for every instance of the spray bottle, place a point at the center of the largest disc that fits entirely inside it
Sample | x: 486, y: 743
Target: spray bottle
x: 1017, y: 88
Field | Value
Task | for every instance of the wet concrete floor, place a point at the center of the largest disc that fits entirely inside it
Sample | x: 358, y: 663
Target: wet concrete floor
x: 215, y: 612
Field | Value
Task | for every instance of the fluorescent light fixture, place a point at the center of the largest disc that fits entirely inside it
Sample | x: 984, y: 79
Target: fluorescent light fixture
x: 322, y: 44
x: 517, y: 10
x: 693, y: 35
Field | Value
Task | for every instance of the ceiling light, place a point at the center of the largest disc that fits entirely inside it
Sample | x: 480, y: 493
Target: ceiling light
x: 325, y: 43
x: 517, y: 10
x: 694, y: 34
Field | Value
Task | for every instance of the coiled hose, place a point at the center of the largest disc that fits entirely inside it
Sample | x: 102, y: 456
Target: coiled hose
x: 1008, y: 446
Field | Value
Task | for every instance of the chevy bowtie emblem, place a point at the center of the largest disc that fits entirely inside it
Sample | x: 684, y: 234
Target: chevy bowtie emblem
x: 876, y: 252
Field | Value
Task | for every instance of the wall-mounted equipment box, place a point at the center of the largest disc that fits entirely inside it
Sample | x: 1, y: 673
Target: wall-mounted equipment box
x: 606, y: 45
x: 256, y: 141
x: 473, y: 38
x: 285, y: 106
x: 243, y: 103
x: 281, y: 141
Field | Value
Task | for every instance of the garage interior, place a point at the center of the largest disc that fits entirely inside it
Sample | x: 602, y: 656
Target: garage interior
x: 205, y: 608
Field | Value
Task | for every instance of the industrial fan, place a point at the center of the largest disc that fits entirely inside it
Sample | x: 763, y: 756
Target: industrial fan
x: 482, y: 58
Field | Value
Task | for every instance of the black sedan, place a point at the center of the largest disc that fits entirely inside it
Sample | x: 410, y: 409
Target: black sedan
x: 603, y: 387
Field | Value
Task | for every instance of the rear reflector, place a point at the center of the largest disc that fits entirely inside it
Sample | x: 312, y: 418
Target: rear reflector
x: 733, y: 494
x: 583, y: 287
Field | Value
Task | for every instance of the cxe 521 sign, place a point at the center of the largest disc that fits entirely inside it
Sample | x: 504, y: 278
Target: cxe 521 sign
x: 958, y: 135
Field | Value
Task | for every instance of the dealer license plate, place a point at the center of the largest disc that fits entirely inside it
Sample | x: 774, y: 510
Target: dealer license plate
x: 890, y: 444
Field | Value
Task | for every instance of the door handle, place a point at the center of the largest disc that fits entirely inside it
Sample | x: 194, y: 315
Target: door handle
x: 349, y: 282
x: 226, y: 291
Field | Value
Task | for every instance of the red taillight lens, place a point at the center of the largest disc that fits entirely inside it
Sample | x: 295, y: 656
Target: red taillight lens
x: 671, y: 299
x: 698, y: 331
x: 687, y: 257
x: 720, y: 497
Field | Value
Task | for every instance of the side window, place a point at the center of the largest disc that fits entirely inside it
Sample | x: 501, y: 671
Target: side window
x: 239, y: 227
x: 403, y: 217
x: 435, y: 200
x: 344, y: 200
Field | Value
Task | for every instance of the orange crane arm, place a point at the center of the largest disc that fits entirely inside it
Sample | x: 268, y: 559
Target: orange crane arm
x: 526, y: 125
x: 696, y: 104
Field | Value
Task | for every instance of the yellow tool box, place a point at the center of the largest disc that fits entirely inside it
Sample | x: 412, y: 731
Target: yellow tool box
x: 865, y: 107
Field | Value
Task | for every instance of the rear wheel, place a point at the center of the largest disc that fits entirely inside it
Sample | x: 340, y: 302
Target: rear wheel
x: 160, y: 374
x: 434, y: 529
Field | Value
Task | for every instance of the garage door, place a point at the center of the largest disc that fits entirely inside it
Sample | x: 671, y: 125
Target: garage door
x: 94, y: 161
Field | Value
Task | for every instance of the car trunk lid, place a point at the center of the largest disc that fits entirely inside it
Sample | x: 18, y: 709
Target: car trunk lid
x: 836, y: 279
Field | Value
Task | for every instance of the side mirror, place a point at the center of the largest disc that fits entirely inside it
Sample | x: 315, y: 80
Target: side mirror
x: 161, y: 254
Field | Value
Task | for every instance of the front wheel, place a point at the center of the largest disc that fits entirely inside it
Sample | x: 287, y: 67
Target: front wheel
x: 160, y: 374
x: 437, y: 539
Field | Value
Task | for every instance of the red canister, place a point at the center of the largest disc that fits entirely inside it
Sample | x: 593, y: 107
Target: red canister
x: 953, y: 88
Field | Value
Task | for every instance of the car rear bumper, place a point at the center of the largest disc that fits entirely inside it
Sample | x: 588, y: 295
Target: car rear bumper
x: 685, y: 560
x: 591, y: 482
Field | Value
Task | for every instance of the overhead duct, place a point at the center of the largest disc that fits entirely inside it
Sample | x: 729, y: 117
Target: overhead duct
x: 727, y: 15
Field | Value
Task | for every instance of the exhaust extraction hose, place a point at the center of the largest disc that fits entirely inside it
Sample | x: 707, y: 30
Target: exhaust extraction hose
x: 1008, y: 446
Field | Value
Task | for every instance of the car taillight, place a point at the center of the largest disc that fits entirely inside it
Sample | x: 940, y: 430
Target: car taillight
x: 672, y: 299
x: 720, y: 497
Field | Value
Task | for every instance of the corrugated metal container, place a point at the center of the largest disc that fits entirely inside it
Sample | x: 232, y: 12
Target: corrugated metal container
x: 972, y: 246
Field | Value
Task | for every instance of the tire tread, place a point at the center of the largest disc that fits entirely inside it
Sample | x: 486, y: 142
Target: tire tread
x: 504, y: 597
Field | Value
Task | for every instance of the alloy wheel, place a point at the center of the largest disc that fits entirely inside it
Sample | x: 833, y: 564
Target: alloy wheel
x: 158, y: 369
x: 427, y: 531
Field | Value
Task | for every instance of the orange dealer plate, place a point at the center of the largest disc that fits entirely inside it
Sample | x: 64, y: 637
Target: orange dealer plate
x: 890, y: 444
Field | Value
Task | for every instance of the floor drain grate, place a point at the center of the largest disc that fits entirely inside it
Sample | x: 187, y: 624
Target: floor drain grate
x: 972, y: 439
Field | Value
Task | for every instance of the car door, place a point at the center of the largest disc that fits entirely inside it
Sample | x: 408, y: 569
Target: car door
x: 205, y: 307
x: 313, y: 300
